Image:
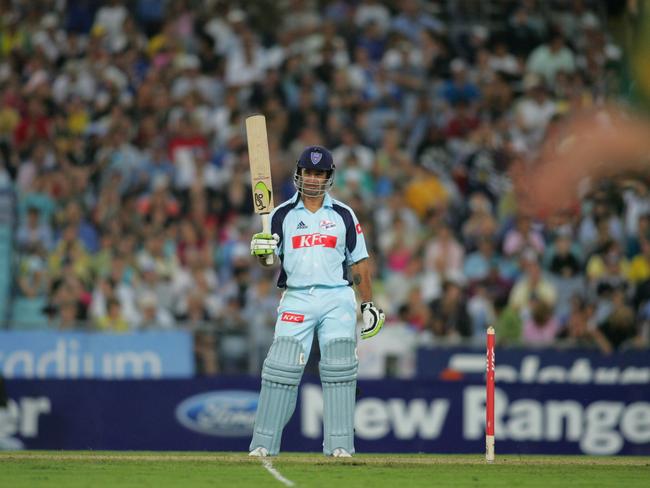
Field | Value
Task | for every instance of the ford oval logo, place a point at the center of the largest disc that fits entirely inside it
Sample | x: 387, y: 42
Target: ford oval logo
x: 227, y: 413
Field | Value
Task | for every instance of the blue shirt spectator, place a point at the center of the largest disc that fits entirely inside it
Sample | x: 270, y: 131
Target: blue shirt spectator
x: 459, y: 88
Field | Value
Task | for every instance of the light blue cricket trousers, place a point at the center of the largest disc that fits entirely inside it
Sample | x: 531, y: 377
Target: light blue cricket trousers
x: 328, y: 311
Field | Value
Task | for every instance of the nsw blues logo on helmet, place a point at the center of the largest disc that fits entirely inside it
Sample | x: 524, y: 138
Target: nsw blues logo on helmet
x: 316, y: 157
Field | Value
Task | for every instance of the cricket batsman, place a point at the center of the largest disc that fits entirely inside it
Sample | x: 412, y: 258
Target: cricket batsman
x: 322, y: 251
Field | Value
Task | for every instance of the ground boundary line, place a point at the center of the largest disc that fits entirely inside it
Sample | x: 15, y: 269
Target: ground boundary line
x: 317, y: 458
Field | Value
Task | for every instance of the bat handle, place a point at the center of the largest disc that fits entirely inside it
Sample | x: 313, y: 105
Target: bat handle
x: 266, y: 228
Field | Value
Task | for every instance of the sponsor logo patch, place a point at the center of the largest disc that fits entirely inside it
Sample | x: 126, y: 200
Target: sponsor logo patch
x: 359, y: 231
x: 313, y: 240
x: 224, y: 413
x: 301, y: 225
x: 327, y: 224
x: 292, y: 317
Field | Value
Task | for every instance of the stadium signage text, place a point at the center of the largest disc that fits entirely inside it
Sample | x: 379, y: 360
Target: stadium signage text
x: 529, y: 371
x: 375, y: 418
x: 76, y: 355
x: 22, y: 418
x: 546, y: 366
x: 600, y: 427
x: 391, y: 416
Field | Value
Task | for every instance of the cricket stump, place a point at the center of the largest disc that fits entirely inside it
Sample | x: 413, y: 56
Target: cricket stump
x: 489, y: 403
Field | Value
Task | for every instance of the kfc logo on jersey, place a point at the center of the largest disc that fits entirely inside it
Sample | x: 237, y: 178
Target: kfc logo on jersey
x: 293, y: 317
x: 313, y: 240
x: 358, y: 229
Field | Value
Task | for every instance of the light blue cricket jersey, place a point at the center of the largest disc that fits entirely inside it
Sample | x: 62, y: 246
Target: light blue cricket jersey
x: 316, y: 248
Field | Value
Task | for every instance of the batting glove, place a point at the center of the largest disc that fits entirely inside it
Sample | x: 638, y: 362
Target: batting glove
x: 264, y: 244
x: 373, y: 320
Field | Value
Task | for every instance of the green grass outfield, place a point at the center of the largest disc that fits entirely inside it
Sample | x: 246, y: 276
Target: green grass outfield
x: 190, y: 469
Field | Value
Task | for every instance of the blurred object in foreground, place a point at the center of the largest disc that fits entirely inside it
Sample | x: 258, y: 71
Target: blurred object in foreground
x: 592, y: 146
x: 603, y: 143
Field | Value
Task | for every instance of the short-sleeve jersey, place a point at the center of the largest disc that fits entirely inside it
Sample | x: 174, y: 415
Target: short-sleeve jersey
x: 316, y: 249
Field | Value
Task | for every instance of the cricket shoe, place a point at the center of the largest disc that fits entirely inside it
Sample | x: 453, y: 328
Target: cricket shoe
x: 340, y: 452
x: 259, y: 452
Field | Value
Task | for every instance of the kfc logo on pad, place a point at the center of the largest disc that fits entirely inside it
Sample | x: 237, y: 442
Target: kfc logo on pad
x: 312, y: 240
x: 293, y: 317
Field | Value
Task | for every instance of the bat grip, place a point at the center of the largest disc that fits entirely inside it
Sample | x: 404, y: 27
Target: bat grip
x: 266, y: 228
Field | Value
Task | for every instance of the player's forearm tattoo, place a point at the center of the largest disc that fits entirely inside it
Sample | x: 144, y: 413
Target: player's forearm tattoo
x: 356, y: 278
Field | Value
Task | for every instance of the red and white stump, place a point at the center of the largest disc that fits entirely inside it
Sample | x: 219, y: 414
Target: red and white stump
x: 489, y: 403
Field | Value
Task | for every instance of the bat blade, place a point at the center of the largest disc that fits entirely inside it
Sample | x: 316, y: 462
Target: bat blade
x: 260, y: 164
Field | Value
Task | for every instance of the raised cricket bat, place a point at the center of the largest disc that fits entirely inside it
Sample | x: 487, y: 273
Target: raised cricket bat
x: 258, y: 154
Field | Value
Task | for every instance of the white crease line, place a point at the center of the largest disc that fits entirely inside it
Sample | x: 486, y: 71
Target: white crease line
x: 268, y: 465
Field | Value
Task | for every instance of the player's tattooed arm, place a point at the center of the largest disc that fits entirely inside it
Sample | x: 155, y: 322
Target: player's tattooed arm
x: 361, y: 279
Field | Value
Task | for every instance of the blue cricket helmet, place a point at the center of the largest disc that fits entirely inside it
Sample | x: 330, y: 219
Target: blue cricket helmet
x: 316, y: 157
x: 319, y: 158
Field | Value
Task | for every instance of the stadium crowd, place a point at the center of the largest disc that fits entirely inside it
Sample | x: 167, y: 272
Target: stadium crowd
x: 121, y: 135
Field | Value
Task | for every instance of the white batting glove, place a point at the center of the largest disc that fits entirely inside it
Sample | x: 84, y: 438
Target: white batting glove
x: 264, y: 244
x: 373, y: 320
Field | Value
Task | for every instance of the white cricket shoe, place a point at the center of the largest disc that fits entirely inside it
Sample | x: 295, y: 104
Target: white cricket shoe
x: 259, y: 452
x: 340, y: 452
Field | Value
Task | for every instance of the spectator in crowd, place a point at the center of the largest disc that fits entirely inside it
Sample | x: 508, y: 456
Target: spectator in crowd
x: 459, y: 89
x: 34, y: 231
x: 480, y: 224
x: 532, y: 288
x: 444, y: 254
x: 620, y: 327
x: 449, y: 317
x: 152, y: 315
x: 414, y: 312
x: 540, y: 326
x: 196, y: 320
x: 523, y: 236
x: 639, y: 268
x: 261, y: 305
x: 508, y: 323
x: 565, y: 270
x: 479, y: 263
x: 67, y: 316
x: 551, y: 58
x: 581, y: 331
x: 608, y: 267
x: 481, y: 309
x: 112, y: 320
x: 33, y: 278
x: 534, y: 111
